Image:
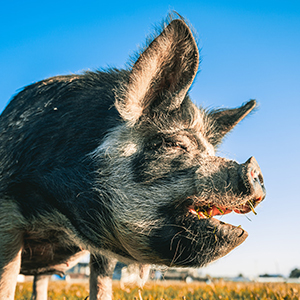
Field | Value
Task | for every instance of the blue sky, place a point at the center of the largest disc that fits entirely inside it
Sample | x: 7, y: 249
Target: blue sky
x: 250, y: 49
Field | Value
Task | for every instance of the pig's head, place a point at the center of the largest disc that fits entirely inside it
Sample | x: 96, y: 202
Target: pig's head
x: 161, y: 166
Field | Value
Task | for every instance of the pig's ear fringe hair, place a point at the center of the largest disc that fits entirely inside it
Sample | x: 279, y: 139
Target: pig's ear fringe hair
x: 157, y: 30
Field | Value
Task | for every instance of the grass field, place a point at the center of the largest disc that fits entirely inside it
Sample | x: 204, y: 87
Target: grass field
x: 171, y: 290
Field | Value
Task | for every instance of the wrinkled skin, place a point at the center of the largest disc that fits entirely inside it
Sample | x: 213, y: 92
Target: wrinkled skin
x: 121, y: 164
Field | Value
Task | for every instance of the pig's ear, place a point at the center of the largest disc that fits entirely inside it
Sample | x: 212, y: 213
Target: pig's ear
x: 162, y: 74
x: 225, y: 119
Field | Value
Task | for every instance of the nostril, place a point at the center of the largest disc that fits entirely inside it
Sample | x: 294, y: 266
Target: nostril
x: 261, y: 179
x: 254, y: 175
x: 257, y: 176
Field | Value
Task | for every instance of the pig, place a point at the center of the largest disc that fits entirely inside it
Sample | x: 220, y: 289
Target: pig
x: 121, y: 164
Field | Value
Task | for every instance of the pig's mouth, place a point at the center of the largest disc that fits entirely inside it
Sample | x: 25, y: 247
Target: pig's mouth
x: 208, y: 211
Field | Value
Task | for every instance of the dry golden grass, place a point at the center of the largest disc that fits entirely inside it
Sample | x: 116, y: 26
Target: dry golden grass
x: 174, y: 290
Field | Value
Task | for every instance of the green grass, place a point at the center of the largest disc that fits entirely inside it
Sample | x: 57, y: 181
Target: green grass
x: 171, y: 290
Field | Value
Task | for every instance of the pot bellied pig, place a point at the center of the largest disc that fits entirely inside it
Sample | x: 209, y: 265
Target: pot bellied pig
x: 121, y: 164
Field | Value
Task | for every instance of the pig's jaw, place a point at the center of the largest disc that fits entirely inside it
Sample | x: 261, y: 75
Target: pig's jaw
x: 192, y: 238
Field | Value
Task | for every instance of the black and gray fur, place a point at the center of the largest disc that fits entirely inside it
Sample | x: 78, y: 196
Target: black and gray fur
x: 121, y: 164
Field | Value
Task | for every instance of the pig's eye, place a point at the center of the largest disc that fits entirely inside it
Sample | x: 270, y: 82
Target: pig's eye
x: 164, y: 143
x: 175, y: 145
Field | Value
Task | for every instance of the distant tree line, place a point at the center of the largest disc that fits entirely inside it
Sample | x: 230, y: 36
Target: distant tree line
x: 295, y: 273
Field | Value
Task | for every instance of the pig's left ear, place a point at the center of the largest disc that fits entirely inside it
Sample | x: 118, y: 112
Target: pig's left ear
x: 162, y: 75
x: 225, y: 119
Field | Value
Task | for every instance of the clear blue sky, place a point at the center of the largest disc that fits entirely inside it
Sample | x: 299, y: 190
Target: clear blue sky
x: 250, y: 49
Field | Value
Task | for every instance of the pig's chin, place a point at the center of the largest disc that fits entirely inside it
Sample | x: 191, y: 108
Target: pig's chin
x: 213, y: 239
x: 191, y: 236
x: 188, y: 238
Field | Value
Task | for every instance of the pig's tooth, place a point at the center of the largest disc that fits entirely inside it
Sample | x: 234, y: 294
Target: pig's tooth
x: 220, y: 210
x: 206, y: 214
x: 193, y: 211
x: 252, y: 207
x: 201, y: 215
x: 197, y: 212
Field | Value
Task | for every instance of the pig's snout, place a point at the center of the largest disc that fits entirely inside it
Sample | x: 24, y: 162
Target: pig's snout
x: 253, y: 179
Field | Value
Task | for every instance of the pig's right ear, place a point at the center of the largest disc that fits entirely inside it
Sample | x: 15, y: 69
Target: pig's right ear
x: 224, y: 120
x: 162, y: 75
